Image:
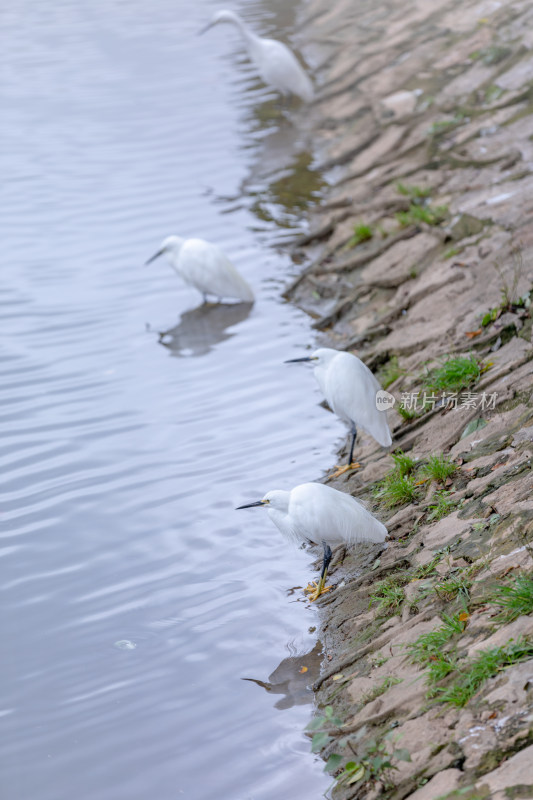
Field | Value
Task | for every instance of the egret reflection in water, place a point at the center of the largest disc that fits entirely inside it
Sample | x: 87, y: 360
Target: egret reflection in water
x: 201, y: 328
x: 293, y: 678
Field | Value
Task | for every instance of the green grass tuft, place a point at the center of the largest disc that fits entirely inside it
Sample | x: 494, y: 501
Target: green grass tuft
x: 450, y: 588
x: 454, y: 374
x: 389, y: 372
x: 453, y: 251
x: 472, y: 674
x: 395, y: 490
x: 407, y: 414
x: 431, y: 215
x: 412, y: 191
x: 399, y: 485
x: 389, y: 595
x: 403, y: 463
x: 429, y: 646
x: 438, y: 468
x: 514, y: 600
x: 362, y: 233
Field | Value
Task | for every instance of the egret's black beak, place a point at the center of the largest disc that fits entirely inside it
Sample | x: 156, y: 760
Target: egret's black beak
x: 294, y: 360
x: 156, y: 255
x: 209, y: 25
x: 252, y: 505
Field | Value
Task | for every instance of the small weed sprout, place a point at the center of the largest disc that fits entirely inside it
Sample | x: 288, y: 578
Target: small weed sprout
x: 426, y: 570
x: 362, y: 233
x: 509, y: 289
x: 380, y: 689
x: 321, y: 728
x: 375, y: 764
x: 378, y: 661
x: 442, y: 505
x: 453, y: 251
x: 510, y: 299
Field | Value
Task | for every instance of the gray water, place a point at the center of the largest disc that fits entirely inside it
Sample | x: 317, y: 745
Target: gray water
x: 135, y: 600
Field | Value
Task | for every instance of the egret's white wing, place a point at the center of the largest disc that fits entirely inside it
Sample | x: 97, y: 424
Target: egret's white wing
x: 207, y: 268
x: 350, y: 389
x: 279, y: 67
x: 320, y: 513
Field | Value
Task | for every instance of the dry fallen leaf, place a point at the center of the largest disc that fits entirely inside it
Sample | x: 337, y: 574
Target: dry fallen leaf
x: 506, y: 571
x: 337, y: 677
x: 471, y: 334
x: 497, y: 466
x: 303, y: 669
x: 463, y: 616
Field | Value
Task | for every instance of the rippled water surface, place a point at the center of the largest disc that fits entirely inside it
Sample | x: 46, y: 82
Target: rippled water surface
x: 135, y: 600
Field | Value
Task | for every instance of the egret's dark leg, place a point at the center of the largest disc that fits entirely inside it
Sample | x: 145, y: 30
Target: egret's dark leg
x: 350, y: 465
x: 354, y: 437
x: 320, y: 588
x: 204, y: 295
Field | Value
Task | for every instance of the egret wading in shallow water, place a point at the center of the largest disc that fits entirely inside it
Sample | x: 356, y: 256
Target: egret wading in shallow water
x: 350, y: 389
x: 318, y: 513
x: 204, y: 266
x: 276, y: 64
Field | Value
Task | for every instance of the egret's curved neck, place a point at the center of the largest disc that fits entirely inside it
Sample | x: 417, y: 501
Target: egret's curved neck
x: 281, y: 521
x: 174, y: 254
x: 320, y: 375
x: 250, y: 38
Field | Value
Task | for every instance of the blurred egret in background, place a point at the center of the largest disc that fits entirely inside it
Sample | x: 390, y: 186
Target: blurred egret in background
x: 350, y: 389
x: 277, y: 65
x: 204, y: 266
x: 318, y: 513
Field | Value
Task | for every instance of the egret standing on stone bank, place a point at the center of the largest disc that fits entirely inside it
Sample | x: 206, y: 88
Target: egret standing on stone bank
x: 350, y: 389
x: 277, y: 65
x: 318, y: 513
x: 204, y: 266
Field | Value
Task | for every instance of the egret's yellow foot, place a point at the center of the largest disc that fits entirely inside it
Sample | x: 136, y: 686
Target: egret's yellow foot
x: 341, y: 470
x: 315, y: 589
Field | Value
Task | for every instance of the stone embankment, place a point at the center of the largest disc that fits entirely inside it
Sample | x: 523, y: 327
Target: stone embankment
x: 421, y: 262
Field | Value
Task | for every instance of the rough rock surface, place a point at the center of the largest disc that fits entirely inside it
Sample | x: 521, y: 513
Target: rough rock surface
x: 425, y: 129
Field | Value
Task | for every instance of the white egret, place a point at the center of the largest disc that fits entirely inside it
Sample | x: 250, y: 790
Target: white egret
x: 350, y: 389
x: 318, y: 513
x: 204, y: 266
x: 277, y: 65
